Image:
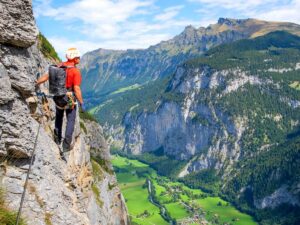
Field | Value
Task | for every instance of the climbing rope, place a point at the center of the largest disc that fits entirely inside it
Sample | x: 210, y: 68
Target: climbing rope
x: 42, y: 94
x: 30, y: 165
x: 27, y: 176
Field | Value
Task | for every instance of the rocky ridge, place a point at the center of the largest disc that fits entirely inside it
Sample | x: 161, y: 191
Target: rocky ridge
x: 107, y: 70
x: 75, y: 191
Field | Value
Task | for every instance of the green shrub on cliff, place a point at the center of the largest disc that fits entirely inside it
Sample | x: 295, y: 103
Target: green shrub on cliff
x: 87, y: 116
x: 47, y: 49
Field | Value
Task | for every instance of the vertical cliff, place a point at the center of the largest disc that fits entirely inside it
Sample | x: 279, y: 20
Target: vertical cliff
x: 76, y: 191
x: 189, y: 128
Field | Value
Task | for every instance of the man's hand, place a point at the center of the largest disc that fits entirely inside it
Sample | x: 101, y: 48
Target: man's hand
x: 36, y: 83
x: 82, y: 107
x: 77, y: 92
x: 42, y: 79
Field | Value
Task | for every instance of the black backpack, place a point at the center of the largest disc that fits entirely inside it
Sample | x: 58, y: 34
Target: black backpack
x: 57, y: 84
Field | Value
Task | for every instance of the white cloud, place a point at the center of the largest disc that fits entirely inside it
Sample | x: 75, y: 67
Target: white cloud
x: 39, y: 6
x: 141, y: 41
x: 169, y: 13
x: 93, y: 11
x: 287, y: 13
x: 114, y: 24
x: 99, y: 17
x: 123, y: 24
x: 236, y: 4
x: 270, y: 10
x: 62, y: 44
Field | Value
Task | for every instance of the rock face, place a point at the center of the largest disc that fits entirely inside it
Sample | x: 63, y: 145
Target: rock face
x: 188, y: 128
x: 280, y: 196
x: 13, y: 30
x: 75, y: 191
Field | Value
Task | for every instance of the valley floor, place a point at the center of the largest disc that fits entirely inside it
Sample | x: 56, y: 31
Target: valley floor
x: 153, y: 199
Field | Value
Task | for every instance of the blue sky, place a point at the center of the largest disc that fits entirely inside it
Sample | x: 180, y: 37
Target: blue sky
x: 124, y: 24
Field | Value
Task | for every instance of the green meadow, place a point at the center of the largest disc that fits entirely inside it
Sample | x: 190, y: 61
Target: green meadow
x: 124, y: 89
x: 177, y: 210
x: 182, y: 204
x: 295, y: 85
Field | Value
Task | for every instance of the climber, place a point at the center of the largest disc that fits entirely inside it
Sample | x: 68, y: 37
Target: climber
x: 71, y: 83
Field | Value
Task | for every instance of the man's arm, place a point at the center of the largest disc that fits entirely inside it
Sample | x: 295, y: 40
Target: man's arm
x: 42, y: 79
x: 77, y: 92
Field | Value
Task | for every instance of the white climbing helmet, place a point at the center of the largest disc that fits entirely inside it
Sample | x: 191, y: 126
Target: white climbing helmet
x: 72, y: 53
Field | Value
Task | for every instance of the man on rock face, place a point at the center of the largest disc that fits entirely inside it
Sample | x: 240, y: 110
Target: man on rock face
x: 72, y: 84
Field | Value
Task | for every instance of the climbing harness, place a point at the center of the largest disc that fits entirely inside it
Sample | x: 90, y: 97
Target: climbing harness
x: 71, y: 102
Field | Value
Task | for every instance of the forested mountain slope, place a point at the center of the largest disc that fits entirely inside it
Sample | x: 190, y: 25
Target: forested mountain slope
x: 233, y: 116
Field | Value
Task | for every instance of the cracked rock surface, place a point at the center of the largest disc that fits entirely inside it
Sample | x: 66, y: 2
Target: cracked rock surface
x: 17, y: 25
x: 58, y: 191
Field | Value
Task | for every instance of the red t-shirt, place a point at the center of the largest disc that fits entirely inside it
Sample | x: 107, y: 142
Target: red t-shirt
x: 73, y: 75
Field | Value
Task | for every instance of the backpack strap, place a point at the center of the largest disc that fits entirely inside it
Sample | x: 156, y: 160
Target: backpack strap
x: 67, y: 67
x: 61, y: 65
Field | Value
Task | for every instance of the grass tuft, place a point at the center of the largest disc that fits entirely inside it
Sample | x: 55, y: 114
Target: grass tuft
x: 48, y: 217
x: 87, y: 116
x: 97, y: 195
x: 82, y: 126
x: 7, y: 216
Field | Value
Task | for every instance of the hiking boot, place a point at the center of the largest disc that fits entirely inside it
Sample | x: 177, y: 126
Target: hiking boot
x: 62, y: 156
x: 57, y: 138
x: 61, y: 153
x: 66, y: 146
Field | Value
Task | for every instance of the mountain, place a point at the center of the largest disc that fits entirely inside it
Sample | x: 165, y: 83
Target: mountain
x: 214, y: 96
x: 216, y: 107
x: 105, y: 71
x: 231, y: 116
x: 78, y: 190
x: 107, y: 74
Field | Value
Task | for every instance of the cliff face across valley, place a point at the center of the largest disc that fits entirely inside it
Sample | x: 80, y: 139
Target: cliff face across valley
x: 76, y: 191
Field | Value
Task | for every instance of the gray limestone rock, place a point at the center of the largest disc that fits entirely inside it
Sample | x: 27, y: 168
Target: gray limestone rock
x: 189, y: 128
x: 18, y: 128
x: 280, y: 196
x: 22, y: 66
x: 17, y: 25
x: 6, y: 94
x: 95, y: 139
x: 58, y: 191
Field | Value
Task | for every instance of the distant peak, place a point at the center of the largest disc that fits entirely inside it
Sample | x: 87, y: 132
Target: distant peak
x: 189, y: 27
x: 189, y: 30
x: 230, y: 22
